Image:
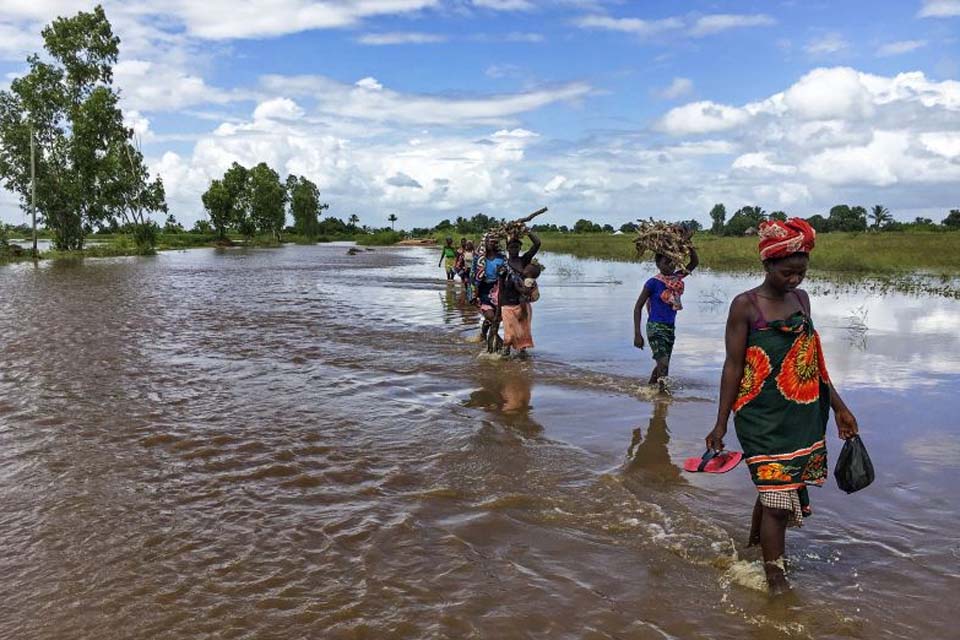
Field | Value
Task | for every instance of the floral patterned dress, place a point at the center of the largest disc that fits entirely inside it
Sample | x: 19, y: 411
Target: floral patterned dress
x: 781, y: 411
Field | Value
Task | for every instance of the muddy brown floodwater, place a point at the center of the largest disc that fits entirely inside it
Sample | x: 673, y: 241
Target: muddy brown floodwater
x: 298, y: 443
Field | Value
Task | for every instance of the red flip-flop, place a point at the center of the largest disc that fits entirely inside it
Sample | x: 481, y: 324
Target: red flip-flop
x: 713, y: 462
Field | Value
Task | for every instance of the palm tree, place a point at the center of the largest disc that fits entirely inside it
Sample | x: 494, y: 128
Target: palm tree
x: 354, y: 219
x: 880, y: 216
x: 393, y: 219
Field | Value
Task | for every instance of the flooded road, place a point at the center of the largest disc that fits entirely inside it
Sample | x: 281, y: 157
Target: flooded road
x: 299, y: 443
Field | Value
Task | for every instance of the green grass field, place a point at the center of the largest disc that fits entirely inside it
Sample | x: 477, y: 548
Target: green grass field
x: 890, y: 253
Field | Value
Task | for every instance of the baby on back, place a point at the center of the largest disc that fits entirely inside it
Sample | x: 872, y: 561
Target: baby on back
x: 530, y: 274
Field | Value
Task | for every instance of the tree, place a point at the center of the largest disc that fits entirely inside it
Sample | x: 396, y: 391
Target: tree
x: 744, y: 219
x: 83, y: 175
x: 172, y: 226
x: 819, y: 223
x: 952, y: 221
x: 778, y: 215
x: 544, y: 227
x: 127, y: 193
x: 201, y: 226
x: 268, y: 200
x: 629, y: 227
x: 219, y: 205
x: 392, y: 218
x: 236, y: 180
x: 861, y: 214
x: 845, y: 218
x: 354, y: 220
x: 585, y: 226
x: 227, y: 202
x: 719, y: 215
x: 305, y: 207
x: 693, y: 225
x: 475, y: 225
x: 880, y: 216
x: 608, y: 228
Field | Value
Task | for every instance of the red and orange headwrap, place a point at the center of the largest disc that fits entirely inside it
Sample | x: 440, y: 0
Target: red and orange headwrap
x: 780, y: 238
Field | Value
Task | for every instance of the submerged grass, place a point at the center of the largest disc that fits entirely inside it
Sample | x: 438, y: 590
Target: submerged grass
x: 115, y: 245
x: 7, y: 258
x: 918, y: 263
x: 379, y: 239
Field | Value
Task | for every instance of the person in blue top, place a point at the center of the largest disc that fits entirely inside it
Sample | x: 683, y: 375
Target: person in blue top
x: 661, y: 296
x: 490, y: 267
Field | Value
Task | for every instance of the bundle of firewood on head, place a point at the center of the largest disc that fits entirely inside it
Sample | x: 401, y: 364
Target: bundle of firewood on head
x: 669, y: 239
x: 515, y: 230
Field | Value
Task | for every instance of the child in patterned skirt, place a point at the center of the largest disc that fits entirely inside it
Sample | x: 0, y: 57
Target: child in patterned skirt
x: 661, y: 297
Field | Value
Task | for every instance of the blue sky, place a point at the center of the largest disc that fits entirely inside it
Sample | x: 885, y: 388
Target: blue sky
x: 610, y: 110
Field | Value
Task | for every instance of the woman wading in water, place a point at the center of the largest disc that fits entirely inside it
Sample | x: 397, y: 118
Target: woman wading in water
x: 776, y: 383
x: 488, y: 272
x: 515, y: 309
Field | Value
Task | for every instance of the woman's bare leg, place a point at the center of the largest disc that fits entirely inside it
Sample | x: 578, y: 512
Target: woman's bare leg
x: 773, y: 534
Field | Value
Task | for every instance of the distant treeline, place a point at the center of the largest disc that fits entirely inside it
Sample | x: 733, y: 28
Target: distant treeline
x: 744, y: 221
x: 481, y: 223
x: 841, y: 217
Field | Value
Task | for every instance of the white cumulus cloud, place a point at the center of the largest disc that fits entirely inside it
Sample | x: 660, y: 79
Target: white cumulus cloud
x: 824, y: 94
x: 278, y: 109
x: 874, y: 163
x: 702, y: 117
x: 155, y: 86
x: 835, y: 128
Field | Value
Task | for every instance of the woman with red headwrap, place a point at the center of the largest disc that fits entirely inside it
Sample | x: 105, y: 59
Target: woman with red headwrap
x: 775, y: 382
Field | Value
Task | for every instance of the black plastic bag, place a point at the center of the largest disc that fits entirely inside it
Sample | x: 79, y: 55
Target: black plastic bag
x: 854, y: 471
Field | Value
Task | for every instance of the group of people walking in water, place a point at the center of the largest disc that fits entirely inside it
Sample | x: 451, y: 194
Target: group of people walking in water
x: 774, y: 380
x: 503, y: 287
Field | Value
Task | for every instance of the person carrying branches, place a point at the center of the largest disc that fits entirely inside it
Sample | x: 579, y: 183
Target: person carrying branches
x: 675, y: 257
x: 493, y: 271
x: 516, y: 312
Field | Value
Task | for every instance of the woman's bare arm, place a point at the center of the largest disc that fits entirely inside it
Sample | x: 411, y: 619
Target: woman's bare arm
x: 638, y: 317
x: 532, y: 251
x: 735, y: 338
